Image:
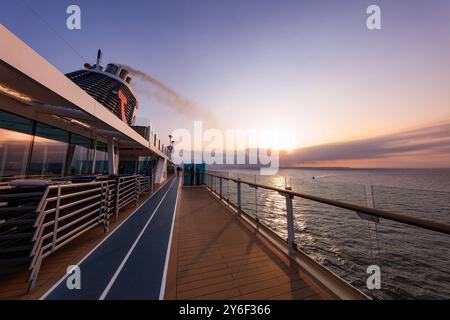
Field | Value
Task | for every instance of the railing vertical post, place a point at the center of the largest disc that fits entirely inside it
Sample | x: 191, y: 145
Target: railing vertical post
x: 117, y: 198
x: 239, y: 194
x: 100, y: 210
x: 137, y: 188
x: 55, y: 223
x: 105, y: 205
x: 290, y: 222
x: 151, y: 183
x: 220, y: 187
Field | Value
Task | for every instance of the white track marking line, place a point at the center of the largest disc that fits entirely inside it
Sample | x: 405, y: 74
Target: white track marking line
x: 122, y: 264
x: 166, y: 264
x: 45, y: 295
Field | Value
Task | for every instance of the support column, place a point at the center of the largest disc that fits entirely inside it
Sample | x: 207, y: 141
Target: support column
x: 161, y: 171
x: 113, y: 157
x: 94, y: 156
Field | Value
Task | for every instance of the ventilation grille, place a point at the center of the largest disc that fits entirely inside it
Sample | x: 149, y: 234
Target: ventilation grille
x: 105, y: 90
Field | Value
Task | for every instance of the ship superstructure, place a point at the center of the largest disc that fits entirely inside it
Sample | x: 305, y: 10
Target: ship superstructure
x: 109, y: 86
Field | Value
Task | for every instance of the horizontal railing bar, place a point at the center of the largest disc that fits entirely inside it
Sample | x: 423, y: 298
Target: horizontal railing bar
x: 69, y: 215
x: 80, y: 193
x: 69, y: 205
x: 127, y: 190
x: 77, y: 235
x: 126, y: 195
x: 87, y: 215
x: 69, y: 234
x: 74, y: 194
x: 75, y: 185
x: 418, y: 222
x: 126, y: 203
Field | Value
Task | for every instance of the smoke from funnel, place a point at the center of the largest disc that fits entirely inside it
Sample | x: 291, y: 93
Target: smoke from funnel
x: 168, y: 97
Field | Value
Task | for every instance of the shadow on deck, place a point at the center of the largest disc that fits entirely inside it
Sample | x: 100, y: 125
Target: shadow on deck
x: 216, y: 255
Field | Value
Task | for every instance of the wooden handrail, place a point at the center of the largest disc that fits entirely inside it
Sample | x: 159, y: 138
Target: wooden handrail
x: 417, y: 222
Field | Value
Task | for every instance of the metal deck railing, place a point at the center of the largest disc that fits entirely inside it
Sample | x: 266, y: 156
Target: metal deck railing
x: 215, y: 183
x: 35, y: 222
x: 65, y: 213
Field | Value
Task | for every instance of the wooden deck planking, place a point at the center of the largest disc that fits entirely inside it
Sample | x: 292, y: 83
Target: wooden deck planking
x: 216, y: 255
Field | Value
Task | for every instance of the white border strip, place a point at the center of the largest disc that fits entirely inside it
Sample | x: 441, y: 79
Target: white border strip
x: 127, y: 256
x: 99, y: 244
x: 169, y: 245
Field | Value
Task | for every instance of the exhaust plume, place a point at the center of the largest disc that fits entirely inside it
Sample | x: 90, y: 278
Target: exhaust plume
x: 169, y: 98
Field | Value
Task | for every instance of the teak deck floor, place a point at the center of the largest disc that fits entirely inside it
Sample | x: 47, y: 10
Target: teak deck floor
x: 215, y: 255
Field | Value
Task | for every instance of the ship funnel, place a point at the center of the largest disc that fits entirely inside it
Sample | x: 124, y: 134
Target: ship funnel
x: 99, y: 59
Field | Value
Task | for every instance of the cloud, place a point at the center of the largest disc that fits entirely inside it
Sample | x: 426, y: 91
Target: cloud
x: 429, y: 144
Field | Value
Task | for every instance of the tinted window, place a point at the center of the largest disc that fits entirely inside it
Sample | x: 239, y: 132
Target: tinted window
x: 49, y: 151
x: 15, y: 144
x: 80, y: 155
x: 111, y: 68
x: 101, y: 158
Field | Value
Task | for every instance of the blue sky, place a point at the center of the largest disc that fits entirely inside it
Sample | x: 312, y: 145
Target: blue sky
x: 311, y: 67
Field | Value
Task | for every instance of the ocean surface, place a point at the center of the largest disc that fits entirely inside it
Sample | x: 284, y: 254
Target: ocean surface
x: 414, y: 263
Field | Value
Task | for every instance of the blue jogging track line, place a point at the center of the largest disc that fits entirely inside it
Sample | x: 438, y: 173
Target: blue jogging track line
x: 131, y: 262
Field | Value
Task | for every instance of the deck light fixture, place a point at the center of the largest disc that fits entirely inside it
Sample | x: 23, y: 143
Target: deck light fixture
x: 15, y: 94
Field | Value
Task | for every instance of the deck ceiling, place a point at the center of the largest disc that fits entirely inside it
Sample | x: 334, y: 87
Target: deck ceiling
x: 47, y: 95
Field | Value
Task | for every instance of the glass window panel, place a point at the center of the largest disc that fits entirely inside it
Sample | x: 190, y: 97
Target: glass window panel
x: 15, y: 143
x: 111, y: 68
x: 127, y: 166
x: 101, y: 158
x: 49, y: 151
x: 145, y: 165
x: 80, y: 155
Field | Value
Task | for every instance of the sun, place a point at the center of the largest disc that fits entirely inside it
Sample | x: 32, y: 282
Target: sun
x: 280, y: 139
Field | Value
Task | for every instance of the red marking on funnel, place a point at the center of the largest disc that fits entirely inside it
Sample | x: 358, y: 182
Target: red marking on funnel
x: 123, y: 102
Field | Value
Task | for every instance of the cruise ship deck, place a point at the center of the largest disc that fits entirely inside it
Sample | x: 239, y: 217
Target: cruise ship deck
x: 180, y: 243
x: 78, y: 199
x: 86, y: 171
x: 216, y: 255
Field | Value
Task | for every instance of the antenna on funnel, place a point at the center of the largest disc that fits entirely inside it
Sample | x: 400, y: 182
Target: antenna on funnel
x: 99, y: 60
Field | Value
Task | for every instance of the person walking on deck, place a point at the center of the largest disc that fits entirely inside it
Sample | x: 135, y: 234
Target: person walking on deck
x: 197, y: 176
x: 192, y: 172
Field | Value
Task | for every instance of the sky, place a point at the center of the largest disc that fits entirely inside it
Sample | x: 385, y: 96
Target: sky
x: 311, y: 69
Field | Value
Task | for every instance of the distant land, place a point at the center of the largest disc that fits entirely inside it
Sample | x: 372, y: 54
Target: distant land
x: 257, y: 167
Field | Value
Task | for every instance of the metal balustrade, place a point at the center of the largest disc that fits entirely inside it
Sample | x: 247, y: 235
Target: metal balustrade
x: 289, y: 195
x: 127, y: 191
x: 241, y: 201
x: 65, y: 213
x: 284, y: 233
x: 145, y: 184
x: 60, y: 213
x: 18, y: 207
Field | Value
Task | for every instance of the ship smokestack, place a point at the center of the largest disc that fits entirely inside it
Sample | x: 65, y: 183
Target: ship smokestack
x: 99, y: 59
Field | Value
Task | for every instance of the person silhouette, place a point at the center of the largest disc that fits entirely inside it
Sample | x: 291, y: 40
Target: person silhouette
x: 197, y: 176
x: 192, y: 172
